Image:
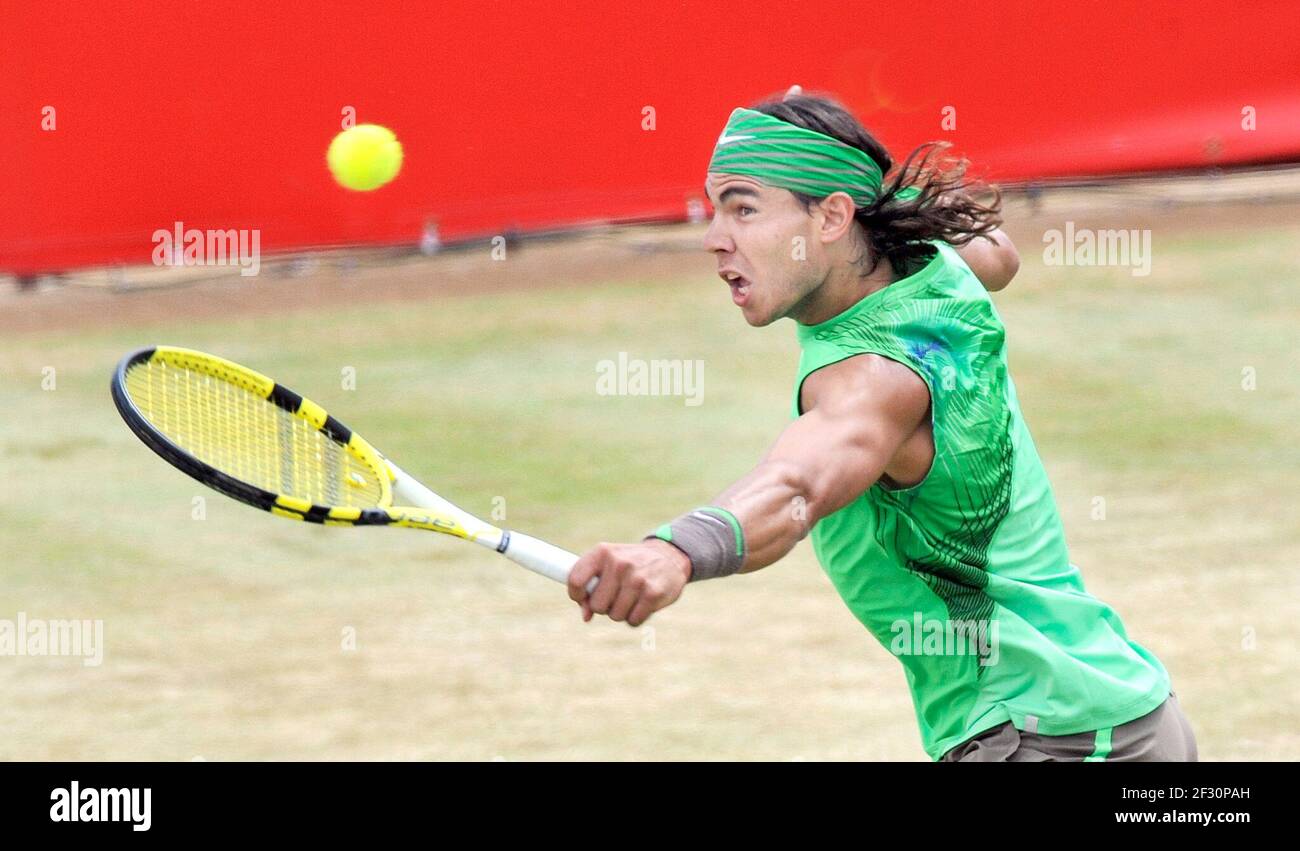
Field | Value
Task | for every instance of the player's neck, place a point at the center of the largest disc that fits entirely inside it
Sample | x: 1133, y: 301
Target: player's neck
x: 844, y: 287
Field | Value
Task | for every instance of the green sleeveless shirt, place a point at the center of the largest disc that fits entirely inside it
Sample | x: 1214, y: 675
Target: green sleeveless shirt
x: 966, y: 577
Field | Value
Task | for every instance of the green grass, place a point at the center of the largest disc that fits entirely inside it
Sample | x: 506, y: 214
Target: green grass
x: 225, y: 635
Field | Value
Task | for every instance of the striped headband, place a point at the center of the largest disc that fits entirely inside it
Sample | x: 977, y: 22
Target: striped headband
x: 780, y: 154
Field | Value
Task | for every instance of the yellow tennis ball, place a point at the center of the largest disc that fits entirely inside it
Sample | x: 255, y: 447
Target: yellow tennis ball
x: 365, y: 157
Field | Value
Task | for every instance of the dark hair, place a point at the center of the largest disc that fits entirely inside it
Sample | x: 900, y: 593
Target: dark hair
x: 899, y: 229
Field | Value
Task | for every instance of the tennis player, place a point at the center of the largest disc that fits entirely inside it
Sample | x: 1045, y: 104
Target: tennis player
x: 907, y: 458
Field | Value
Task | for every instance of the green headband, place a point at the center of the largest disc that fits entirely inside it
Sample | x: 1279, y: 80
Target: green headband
x: 780, y: 154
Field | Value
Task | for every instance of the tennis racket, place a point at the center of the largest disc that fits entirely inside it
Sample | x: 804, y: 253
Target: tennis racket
x: 254, y: 440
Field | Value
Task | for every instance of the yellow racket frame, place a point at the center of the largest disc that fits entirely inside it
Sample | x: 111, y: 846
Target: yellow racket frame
x: 426, y: 511
x: 382, y: 512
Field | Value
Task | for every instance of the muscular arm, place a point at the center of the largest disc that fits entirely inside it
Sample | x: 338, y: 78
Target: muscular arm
x: 857, y: 414
x: 992, y: 258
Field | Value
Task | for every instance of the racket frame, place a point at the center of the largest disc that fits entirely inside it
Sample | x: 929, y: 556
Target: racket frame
x: 424, y: 509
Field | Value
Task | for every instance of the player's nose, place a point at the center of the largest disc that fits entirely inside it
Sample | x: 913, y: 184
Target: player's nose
x: 716, y: 239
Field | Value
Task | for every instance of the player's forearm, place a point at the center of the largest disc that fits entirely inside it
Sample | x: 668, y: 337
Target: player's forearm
x: 820, y: 463
x: 772, y: 505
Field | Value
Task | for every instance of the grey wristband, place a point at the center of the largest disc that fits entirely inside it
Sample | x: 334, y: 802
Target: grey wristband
x: 712, y: 539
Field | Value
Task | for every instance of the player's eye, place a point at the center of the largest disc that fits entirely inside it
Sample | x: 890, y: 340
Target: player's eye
x: 743, y: 210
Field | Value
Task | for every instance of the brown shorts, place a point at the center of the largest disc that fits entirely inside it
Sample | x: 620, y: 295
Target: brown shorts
x: 1162, y: 735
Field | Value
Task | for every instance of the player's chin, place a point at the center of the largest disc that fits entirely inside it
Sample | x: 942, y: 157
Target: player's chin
x: 756, y: 316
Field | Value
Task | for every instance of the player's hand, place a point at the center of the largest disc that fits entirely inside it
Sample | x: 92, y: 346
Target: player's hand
x: 636, y: 580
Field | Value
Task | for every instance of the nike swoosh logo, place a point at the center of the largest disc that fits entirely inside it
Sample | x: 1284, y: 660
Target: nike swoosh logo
x: 724, y: 139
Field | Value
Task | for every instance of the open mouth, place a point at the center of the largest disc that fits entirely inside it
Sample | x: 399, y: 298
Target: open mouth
x: 739, y: 286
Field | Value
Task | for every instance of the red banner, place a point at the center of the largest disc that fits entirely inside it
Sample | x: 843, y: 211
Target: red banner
x: 124, y: 120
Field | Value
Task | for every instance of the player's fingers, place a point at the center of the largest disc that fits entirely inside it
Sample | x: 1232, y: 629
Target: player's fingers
x: 583, y: 569
x: 793, y: 90
x: 607, y: 591
x: 586, y: 612
x: 641, y: 612
x: 627, y: 597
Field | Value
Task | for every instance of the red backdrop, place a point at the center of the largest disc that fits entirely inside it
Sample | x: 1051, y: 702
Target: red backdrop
x: 526, y: 115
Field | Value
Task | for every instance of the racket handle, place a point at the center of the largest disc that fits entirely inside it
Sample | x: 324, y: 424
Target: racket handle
x: 540, y: 557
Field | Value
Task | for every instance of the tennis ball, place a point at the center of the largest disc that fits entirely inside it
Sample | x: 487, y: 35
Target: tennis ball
x: 365, y: 157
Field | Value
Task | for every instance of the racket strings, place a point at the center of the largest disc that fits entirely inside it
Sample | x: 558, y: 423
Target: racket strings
x: 250, y: 438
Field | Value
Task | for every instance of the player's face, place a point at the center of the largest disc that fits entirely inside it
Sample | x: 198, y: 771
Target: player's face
x: 763, y: 241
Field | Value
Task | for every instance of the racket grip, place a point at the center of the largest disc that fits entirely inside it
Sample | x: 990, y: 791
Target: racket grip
x: 540, y: 557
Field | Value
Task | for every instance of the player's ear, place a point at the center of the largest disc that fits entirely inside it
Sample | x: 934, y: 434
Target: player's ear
x: 837, y: 215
